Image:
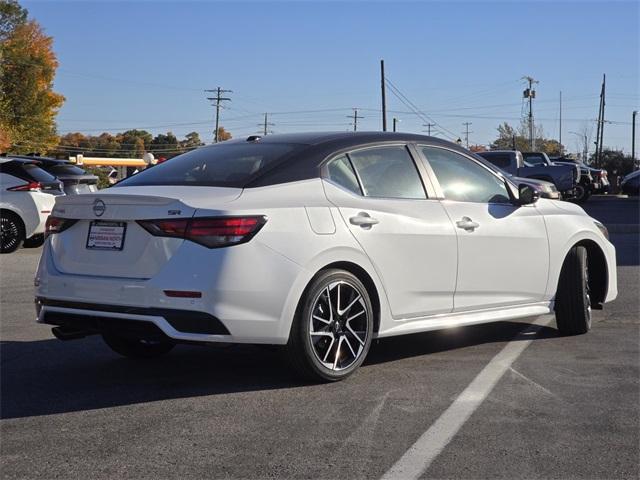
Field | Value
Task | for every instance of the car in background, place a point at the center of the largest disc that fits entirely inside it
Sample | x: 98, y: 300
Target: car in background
x: 630, y: 184
x: 74, y: 178
x: 564, y: 177
x: 595, y: 180
x: 319, y: 242
x: 27, y: 196
x: 543, y: 188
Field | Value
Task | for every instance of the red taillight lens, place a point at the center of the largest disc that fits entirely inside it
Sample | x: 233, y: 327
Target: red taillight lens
x: 57, y: 225
x: 27, y: 187
x: 211, y: 232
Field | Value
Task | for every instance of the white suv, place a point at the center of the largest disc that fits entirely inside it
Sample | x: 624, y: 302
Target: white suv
x: 27, y: 196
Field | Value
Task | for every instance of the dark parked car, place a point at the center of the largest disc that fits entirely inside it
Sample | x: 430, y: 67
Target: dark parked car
x: 631, y: 183
x: 564, y: 177
x: 75, y: 179
x: 597, y: 177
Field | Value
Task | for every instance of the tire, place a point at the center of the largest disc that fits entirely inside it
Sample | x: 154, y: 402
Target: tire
x: 325, y: 345
x: 11, y: 232
x: 573, y: 304
x: 136, y: 348
x: 582, y: 194
x: 34, y: 242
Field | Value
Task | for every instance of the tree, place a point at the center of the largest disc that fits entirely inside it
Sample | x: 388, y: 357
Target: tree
x: 615, y: 162
x: 134, y: 143
x: 223, y: 134
x: 191, y: 140
x: 509, y: 139
x: 165, y: 145
x: 28, y: 104
x: 11, y: 16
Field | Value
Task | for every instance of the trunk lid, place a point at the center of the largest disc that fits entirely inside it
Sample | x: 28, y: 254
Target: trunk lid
x: 129, y: 251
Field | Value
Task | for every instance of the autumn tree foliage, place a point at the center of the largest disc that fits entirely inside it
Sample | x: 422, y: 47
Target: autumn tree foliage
x: 510, y: 138
x: 129, y: 144
x: 28, y: 104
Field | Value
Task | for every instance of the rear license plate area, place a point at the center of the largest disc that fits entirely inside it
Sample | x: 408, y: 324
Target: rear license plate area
x: 105, y: 235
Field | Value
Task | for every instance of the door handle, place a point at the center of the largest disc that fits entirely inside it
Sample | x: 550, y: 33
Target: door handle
x: 363, y: 220
x: 467, y: 224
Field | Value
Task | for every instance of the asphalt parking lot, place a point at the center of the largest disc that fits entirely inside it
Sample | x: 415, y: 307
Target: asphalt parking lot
x: 567, y: 407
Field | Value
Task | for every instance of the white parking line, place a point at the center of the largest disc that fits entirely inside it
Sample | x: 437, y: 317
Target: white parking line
x: 420, y: 455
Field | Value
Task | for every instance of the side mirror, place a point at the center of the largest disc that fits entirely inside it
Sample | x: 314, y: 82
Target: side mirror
x: 527, y: 194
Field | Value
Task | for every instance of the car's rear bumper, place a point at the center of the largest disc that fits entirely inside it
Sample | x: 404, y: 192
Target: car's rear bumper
x: 243, y: 300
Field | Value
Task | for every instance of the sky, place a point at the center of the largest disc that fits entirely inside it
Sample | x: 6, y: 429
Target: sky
x: 308, y: 64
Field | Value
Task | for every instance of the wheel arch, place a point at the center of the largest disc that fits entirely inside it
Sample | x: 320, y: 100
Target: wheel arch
x: 361, y: 274
x: 598, y: 271
x: 17, y: 215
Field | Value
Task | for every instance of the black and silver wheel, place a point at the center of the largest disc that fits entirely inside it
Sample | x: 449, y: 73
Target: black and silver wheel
x: 11, y: 232
x: 573, y: 303
x: 332, y: 332
x: 137, y: 348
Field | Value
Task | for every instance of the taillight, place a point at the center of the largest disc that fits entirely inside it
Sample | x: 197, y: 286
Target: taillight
x: 57, y: 225
x: 27, y: 187
x: 212, y: 232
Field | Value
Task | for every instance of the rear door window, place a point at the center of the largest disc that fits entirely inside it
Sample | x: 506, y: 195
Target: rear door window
x: 388, y: 172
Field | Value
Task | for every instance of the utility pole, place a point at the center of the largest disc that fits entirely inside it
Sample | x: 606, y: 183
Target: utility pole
x: 633, y: 136
x: 600, y: 126
x: 265, y: 125
x: 604, y: 94
x: 395, y: 122
x: 560, y: 129
x: 217, y: 99
x: 428, y: 125
x: 466, y: 133
x: 530, y: 93
x: 384, y: 97
x: 355, y: 118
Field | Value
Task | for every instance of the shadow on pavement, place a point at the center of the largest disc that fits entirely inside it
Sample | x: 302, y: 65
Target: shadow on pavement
x: 49, y: 376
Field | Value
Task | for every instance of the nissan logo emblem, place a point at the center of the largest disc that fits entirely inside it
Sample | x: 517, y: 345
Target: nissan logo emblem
x: 98, y: 207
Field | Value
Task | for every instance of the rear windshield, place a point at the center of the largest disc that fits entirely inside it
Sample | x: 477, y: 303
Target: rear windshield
x: 36, y: 173
x: 223, y: 165
x: 66, y: 170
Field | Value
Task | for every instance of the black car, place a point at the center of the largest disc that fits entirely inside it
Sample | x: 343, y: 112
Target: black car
x: 75, y: 179
x: 631, y: 184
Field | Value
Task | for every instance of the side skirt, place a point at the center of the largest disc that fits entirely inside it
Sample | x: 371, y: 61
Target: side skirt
x: 450, y: 320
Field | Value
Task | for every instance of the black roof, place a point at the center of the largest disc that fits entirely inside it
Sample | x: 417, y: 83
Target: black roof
x: 317, y: 146
x: 46, y: 161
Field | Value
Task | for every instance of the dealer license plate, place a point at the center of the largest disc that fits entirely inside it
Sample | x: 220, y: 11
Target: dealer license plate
x: 106, y: 235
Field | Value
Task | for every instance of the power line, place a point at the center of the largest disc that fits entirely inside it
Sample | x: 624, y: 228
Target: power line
x: 218, y: 99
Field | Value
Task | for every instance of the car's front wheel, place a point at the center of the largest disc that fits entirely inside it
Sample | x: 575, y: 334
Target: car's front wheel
x: 137, y: 348
x: 582, y: 193
x: 333, y: 328
x: 11, y: 232
x: 573, y: 304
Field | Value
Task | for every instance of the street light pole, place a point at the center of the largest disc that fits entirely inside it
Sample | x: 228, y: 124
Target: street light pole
x: 633, y: 135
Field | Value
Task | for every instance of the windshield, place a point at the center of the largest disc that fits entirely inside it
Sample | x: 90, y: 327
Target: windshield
x: 222, y: 165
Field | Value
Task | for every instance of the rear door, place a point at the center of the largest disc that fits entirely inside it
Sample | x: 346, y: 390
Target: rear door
x: 503, y: 251
x: 407, y: 236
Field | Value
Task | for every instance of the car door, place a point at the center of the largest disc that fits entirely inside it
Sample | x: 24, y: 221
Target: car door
x: 407, y: 236
x: 503, y: 251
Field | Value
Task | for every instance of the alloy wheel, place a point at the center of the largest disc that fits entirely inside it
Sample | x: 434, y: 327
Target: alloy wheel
x: 9, y: 233
x: 338, y: 325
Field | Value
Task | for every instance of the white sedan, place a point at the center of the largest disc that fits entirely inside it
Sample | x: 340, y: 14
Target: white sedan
x: 320, y: 242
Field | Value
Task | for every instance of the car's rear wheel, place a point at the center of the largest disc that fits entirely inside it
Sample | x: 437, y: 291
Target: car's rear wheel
x: 333, y: 328
x: 34, y: 241
x: 573, y: 304
x: 137, y: 348
x: 11, y: 232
